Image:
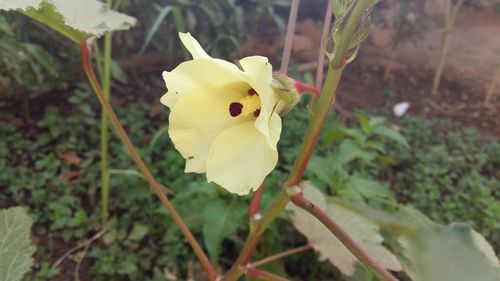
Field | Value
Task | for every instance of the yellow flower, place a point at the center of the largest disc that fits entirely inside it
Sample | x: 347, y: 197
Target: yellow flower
x: 223, y: 119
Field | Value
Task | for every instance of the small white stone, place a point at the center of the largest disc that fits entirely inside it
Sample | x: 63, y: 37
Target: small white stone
x: 401, y: 108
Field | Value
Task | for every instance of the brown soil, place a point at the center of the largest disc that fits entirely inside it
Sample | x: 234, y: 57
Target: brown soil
x: 472, y: 59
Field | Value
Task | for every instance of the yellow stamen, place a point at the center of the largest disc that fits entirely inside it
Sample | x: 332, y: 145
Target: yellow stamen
x: 250, y: 104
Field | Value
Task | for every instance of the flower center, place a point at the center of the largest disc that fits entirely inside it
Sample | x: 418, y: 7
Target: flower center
x: 248, y: 105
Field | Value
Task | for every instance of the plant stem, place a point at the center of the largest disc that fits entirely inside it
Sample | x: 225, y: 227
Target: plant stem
x: 85, y: 54
x: 348, y: 242
x: 311, y: 137
x: 451, y: 15
x: 263, y: 275
x: 327, y: 22
x: 322, y: 108
x: 282, y: 255
x: 106, y: 85
x: 290, y: 30
x: 491, y: 88
x: 254, y: 207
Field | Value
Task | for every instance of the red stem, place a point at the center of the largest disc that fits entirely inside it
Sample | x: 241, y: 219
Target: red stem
x: 254, y: 207
x: 253, y: 272
x: 352, y: 245
x: 306, y: 88
x: 85, y: 55
x: 282, y: 255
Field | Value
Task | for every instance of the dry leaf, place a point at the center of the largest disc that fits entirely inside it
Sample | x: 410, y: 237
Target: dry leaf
x: 71, y: 176
x: 363, y: 231
x: 68, y: 157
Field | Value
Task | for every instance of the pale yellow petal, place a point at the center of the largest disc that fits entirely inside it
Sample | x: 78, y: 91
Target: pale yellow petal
x: 240, y: 159
x: 259, y: 72
x: 258, y: 68
x: 195, y: 74
x: 193, y: 46
x: 198, y: 117
x: 197, y: 51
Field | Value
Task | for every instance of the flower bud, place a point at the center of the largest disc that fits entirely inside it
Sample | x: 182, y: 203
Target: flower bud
x: 290, y: 91
x: 285, y: 88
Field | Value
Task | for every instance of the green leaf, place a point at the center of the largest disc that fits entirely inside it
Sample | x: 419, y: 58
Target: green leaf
x: 321, y: 168
x: 16, y: 249
x: 363, y: 231
x: 220, y: 220
x: 369, y: 188
x: 435, y: 252
x: 365, y: 123
x: 350, y: 150
x: 391, y: 134
x: 138, y: 232
x: 455, y: 252
x: 154, y: 28
x: 18, y: 4
x: 75, y: 19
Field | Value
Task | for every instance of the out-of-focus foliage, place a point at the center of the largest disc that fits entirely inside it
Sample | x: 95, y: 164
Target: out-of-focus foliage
x: 449, y: 164
x: 24, y: 66
x: 227, y: 23
x: 352, y: 152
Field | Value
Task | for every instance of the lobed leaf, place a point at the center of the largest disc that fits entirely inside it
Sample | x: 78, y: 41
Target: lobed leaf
x: 75, y: 19
x: 16, y: 249
x: 362, y: 230
x: 455, y: 252
x: 434, y: 252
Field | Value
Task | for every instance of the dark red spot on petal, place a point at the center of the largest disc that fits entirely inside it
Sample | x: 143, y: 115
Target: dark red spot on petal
x: 235, y: 109
x: 252, y: 92
x: 256, y: 113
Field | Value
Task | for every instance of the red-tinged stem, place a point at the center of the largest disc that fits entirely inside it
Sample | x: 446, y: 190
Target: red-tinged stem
x: 282, y: 255
x: 306, y: 88
x: 254, y: 207
x: 336, y: 230
x: 262, y: 275
x: 94, y: 82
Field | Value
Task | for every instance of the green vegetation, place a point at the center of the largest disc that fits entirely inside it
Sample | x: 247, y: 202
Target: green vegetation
x: 49, y: 159
x: 53, y: 169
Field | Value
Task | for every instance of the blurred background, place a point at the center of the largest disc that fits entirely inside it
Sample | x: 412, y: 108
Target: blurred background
x: 397, y: 134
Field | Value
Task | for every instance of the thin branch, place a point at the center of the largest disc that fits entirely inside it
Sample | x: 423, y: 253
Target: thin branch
x: 327, y: 23
x: 491, y: 88
x: 282, y: 255
x: 85, y: 54
x: 262, y: 275
x: 78, y: 247
x: 290, y: 30
x: 451, y: 15
x: 302, y: 202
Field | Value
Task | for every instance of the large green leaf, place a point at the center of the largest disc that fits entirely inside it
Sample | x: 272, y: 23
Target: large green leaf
x: 16, y: 249
x: 362, y: 230
x: 18, y: 4
x: 76, y: 19
x: 455, y: 252
x: 220, y: 219
x: 435, y: 252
